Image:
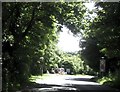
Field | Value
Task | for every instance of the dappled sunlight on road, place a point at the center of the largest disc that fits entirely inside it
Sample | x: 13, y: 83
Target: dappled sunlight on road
x: 69, y: 83
x: 64, y: 82
x: 67, y: 80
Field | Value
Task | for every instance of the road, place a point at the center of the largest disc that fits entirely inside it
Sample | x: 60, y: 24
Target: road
x: 70, y: 83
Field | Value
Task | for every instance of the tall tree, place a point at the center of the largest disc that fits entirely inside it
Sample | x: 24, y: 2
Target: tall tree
x: 29, y: 35
x: 104, y: 28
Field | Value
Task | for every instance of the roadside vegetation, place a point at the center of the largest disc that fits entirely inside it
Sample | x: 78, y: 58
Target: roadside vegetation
x: 113, y: 80
x: 33, y: 78
x: 101, y: 40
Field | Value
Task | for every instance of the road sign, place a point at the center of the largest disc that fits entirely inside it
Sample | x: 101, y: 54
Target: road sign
x: 102, y: 65
x: 68, y: 71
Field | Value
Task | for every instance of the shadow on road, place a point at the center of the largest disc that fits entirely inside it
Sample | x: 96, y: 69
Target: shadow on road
x: 34, y: 87
x: 79, y: 79
x: 66, y: 84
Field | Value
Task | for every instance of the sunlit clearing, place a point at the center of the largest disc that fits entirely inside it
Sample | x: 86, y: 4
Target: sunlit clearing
x: 67, y: 42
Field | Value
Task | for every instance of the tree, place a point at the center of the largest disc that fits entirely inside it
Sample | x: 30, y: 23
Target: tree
x: 90, y: 53
x: 73, y: 62
x: 30, y: 32
x: 104, y: 29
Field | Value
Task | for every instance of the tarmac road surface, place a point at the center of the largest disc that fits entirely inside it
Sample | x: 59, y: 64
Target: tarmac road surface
x: 69, y: 83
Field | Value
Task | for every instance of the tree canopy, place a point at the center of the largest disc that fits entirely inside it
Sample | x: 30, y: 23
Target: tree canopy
x: 30, y: 36
x: 102, y: 34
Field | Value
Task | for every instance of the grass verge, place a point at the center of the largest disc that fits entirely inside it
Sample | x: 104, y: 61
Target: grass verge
x: 34, y: 78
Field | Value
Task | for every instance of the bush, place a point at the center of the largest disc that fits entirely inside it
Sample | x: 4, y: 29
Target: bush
x: 116, y: 81
x: 112, y: 80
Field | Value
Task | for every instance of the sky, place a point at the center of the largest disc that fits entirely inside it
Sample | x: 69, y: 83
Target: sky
x: 67, y: 42
x: 90, y: 6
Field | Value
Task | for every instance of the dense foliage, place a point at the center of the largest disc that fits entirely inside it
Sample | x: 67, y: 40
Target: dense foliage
x: 102, y: 35
x: 101, y: 38
x: 73, y: 62
x: 30, y: 35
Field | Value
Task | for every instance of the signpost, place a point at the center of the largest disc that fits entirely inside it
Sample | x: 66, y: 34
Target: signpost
x: 102, y: 65
x: 68, y: 71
